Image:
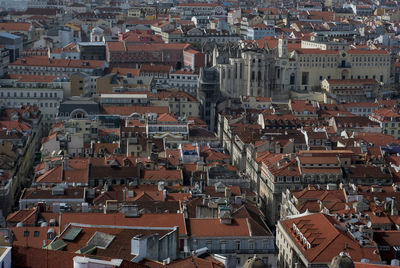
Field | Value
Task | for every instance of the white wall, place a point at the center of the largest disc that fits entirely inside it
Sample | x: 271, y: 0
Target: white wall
x: 5, y: 259
x: 84, y: 262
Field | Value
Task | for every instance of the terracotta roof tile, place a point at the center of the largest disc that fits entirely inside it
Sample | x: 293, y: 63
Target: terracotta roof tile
x: 326, y: 240
x: 214, y: 228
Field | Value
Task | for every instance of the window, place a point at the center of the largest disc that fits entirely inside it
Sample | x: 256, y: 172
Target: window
x: 237, y: 260
x: 36, y: 233
x: 251, y: 245
x: 209, y: 244
x: 237, y: 245
x: 223, y: 245
x: 26, y: 233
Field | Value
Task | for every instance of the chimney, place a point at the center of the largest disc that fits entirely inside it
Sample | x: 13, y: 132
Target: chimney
x: 185, y: 212
x: 393, y: 210
x: 56, y: 207
x: 46, y: 164
x: 165, y: 194
x: 228, y: 192
x: 139, y: 247
x: 85, y: 207
x: 65, y: 162
x: 124, y: 190
x: 161, y: 186
x: 59, y: 222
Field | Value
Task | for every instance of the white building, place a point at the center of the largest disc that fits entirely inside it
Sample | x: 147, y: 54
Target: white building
x: 45, y: 92
x: 185, y: 80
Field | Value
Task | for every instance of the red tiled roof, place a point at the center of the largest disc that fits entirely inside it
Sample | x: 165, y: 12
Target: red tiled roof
x: 128, y: 110
x: 155, y: 68
x: 120, y: 46
x: 326, y: 240
x: 378, y: 139
x: 352, y: 81
x: 31, y: 236
x: 31, y: 78
x: 15, y: 26
x: 166, y: 117
x: 17, y: 125
x: 125, y: 71
x: 363, y: 51
x: 214, y: 228
x: 145, y: 220
x: 198, y: 4
x: 386, y: 113
x: 316, y: 51
x: 64, y: 63
x: 162, y: 174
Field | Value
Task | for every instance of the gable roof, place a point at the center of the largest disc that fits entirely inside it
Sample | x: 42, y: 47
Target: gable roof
x: 326, y: 240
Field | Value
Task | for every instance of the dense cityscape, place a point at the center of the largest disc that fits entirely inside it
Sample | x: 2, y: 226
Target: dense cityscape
x: 199, y: 133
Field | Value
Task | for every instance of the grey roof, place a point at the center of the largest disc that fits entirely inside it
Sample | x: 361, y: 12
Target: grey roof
x: 101, y: 240
x: 88, y: 105
x: 10, y: 36
x: 72, y: 234
x: 91, y: 44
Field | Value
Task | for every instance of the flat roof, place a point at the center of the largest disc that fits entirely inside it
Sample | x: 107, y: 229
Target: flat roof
x: 91, y: 44
x: 124, y: 96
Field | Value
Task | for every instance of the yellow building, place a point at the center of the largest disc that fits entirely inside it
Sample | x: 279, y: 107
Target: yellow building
x: 315, y: 65
x: 134, y: 13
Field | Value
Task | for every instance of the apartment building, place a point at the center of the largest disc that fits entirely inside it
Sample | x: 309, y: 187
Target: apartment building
x: 166, y: 125
x: 121, y: 53
x: 185, y: 80
x: 197, y: 9
x: 389, y: 121
x: 351, y: 90
x: 180, y: 103
x: 42, y: 65
x: 44, y: 92
x: 260, y: 30
x: 315, y: 239
x: 23, y: 29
